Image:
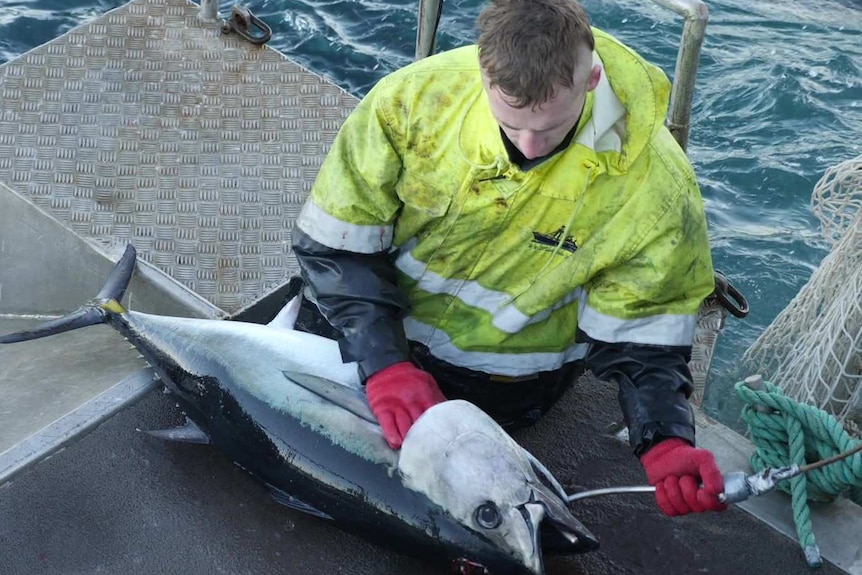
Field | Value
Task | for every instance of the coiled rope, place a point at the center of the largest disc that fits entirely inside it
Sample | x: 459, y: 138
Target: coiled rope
x: 785, y: 432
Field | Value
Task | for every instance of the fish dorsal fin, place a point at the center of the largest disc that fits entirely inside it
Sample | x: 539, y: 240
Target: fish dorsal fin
x: 286, y: 318
x: 186, y: 433
x: 284, y: 498
x: 344, y: 396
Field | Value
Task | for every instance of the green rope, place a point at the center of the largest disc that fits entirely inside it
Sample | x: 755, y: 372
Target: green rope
x: 785, y: 432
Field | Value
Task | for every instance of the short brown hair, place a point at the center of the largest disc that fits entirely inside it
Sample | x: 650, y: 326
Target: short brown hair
x: 528, y: 48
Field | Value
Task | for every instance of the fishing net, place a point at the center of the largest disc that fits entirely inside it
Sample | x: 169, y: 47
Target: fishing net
x: 813, y: 349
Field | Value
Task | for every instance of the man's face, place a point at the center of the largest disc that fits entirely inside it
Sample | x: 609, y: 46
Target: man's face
x: 537, y: 130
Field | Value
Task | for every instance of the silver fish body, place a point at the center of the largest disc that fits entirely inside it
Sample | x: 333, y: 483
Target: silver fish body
x: 282, y: 405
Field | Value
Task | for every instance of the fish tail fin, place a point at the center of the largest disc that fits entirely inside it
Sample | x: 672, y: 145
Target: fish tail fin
x: 95, y: 311
x: 116, y: 284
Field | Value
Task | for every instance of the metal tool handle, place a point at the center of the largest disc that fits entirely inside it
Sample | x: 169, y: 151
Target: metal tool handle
x: 737, y: 488
x: 610, y: 491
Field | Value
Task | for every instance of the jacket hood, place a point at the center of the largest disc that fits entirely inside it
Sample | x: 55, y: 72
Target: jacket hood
x: 630, y: 105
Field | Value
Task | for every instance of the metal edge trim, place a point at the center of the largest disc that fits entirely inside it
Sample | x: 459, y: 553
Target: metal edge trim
x: 72, y: 426
x: 836, y: 525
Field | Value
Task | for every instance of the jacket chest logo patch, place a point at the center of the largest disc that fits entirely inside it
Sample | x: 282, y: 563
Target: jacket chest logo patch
x: 549, y: 242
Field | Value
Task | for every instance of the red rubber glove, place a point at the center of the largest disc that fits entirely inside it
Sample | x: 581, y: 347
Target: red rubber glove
x: 686, y: 479
x: 398, y: 395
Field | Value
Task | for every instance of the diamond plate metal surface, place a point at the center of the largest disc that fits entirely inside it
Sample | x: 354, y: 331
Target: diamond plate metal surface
x: 148, y: 125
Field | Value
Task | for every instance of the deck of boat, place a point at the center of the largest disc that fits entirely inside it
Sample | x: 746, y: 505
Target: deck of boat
x: 122, y: 502
x: 149, y: 126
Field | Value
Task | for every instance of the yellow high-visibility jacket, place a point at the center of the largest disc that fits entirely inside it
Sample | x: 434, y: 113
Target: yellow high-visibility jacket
x: 501, y: 267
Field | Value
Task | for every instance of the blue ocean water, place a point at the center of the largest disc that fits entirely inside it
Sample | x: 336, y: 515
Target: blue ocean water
x: 778, y: 101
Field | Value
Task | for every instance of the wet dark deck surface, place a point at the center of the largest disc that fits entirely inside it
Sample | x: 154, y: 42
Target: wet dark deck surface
x: 122, y: 502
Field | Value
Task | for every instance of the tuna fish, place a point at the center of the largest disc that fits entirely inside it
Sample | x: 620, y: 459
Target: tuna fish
x: 283, y: 406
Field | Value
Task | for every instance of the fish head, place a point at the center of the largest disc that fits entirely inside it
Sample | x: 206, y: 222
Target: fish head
x: 463, y: 461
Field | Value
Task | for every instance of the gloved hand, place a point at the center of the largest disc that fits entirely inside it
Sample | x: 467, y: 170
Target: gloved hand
x: 398, y: 395
x: 686, y: 479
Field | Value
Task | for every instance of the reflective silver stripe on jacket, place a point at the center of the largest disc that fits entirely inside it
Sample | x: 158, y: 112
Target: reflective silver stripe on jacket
x: 470, y: 292
x: 665, y: 329
x: 511, y: 320
x: 509, y: 364
x: 339, y: 235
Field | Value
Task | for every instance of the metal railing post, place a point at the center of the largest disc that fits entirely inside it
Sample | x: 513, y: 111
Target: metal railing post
x: 426, y: 31
x: 696, y: 15
x: 209, y: 10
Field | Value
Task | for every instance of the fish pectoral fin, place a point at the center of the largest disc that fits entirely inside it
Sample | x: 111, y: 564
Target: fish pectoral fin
x: 346, y: 397
x: 189, y: 432
x: 283, y: 498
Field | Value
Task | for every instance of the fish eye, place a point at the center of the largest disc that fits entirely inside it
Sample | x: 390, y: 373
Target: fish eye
x: 488, y: 516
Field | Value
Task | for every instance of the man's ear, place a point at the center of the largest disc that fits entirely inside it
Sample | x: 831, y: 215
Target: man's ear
x: 595, y: 76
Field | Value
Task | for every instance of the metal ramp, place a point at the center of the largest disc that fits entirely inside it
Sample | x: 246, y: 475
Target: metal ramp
x: 149, y: 126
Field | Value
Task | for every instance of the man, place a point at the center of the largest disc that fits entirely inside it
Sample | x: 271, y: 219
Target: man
x: 492, y: 219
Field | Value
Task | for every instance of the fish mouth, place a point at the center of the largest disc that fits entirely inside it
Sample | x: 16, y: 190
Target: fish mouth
x: 553, y: 528
x: 561, y: 532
